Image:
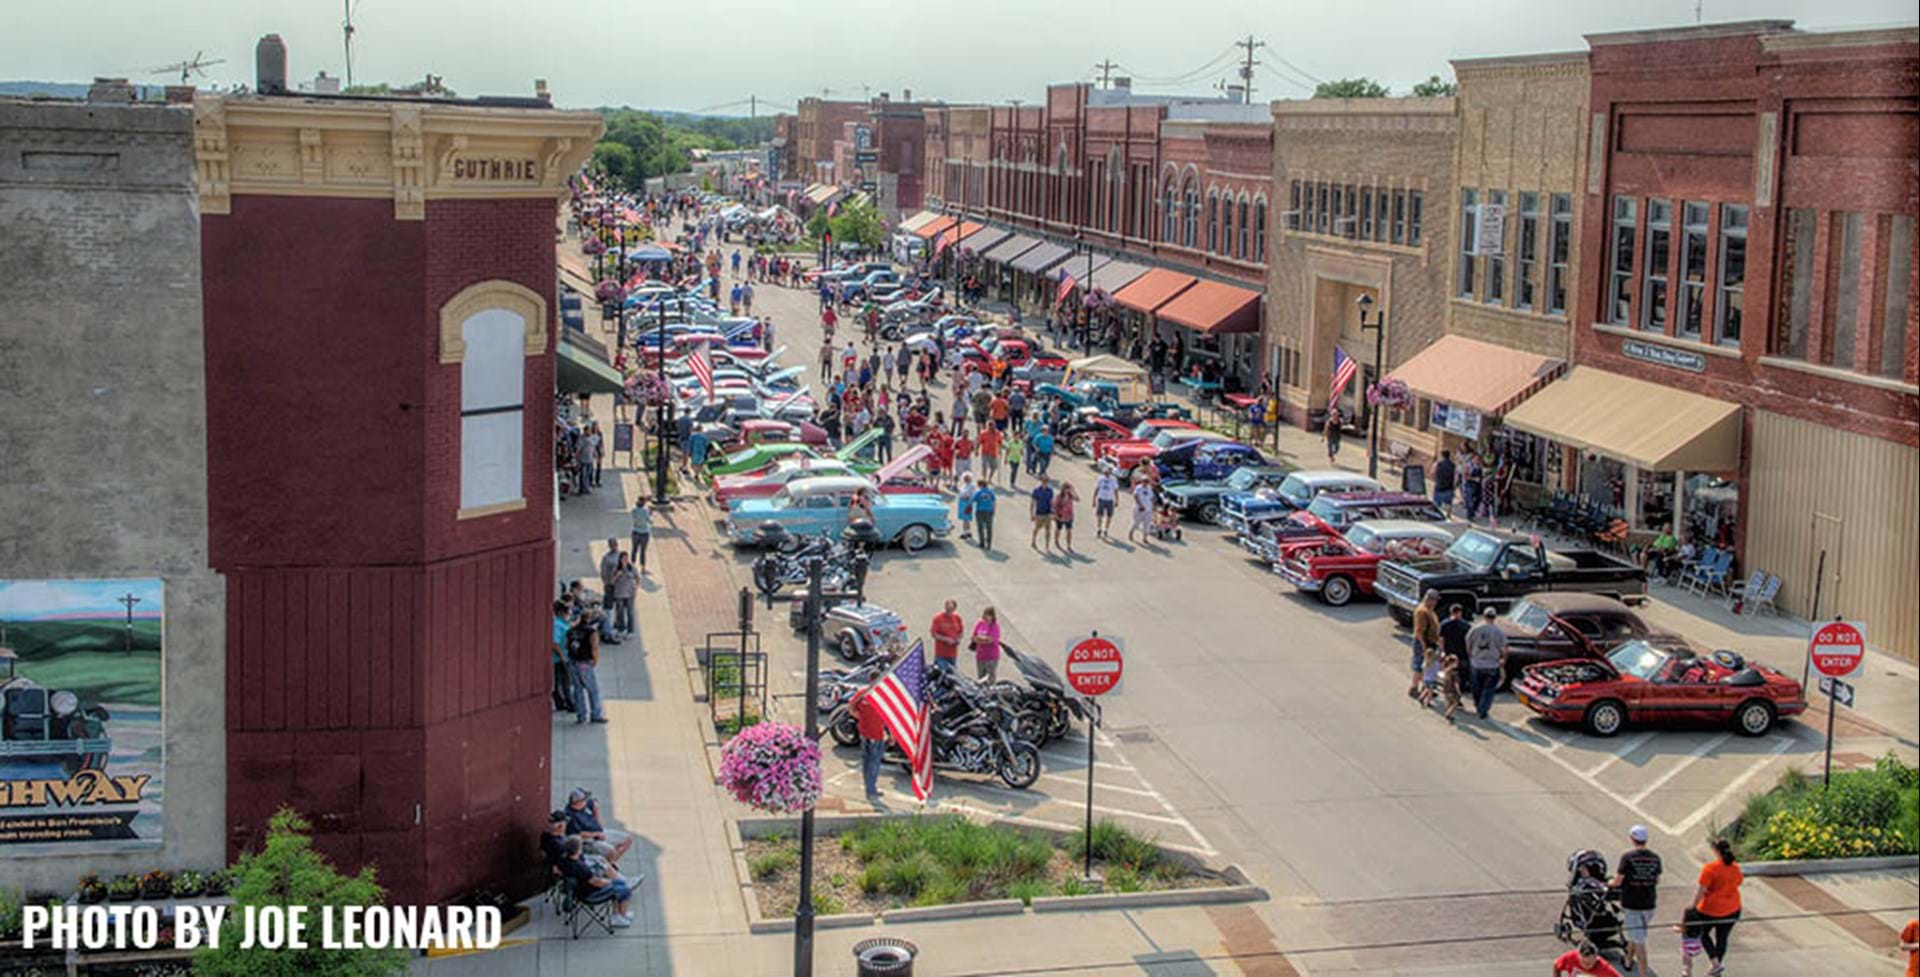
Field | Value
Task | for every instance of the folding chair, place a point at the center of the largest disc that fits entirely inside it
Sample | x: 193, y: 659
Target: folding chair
x: 1741, y: 588
x: 1763, y: 598
x: 1715, y: 577
x: 596, y: 913
x: 1692, y: 570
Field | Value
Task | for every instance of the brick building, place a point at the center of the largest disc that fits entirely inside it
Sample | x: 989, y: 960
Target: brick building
x: 1364, y: 187
x: 899, y: 148
x: 958, y: 152
x: 1744, y: 323
x: 817, y: 124
x: 781, y: 155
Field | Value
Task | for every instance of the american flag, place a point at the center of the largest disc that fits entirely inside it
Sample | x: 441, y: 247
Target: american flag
x: 942, y: 240
x: 902, y: 697
x: 1343, y: 370
x: 1067, y: 283
x: 702, y: 368
x: 833, y: 208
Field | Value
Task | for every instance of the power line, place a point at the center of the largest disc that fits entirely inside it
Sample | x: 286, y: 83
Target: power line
x: 1300, y: 71
x: 1226, y: 55
x: 1106, y: 72
x: 1289, y: 79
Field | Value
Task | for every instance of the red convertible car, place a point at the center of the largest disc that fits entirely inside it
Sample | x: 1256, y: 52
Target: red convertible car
x: 1338, y: 568
x: 894, y: 479
x: 1142, y: 433
x: 1659, y: 681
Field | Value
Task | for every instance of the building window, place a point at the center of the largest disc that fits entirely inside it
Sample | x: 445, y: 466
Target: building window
x: 1845, y: 286
x: 1260, y: 229
x: 1620, y: 275
x: 1898, y: 297
x: 1381, y: 216
x: 1727, y: 308
x: 1353, y: 211
x: 1798, y: 276
x: 1413, y: 218
x: 1693, y: 269
x: 1244, y: 248
x: 492, y: 408
x: 1469, y: 228
x: 1399, y: 216
x: 1653, y: 301
x: 1190, y: 225
x: 1559, y: 252
x: 1213, y: 221
x: 1497, y: 253
x: 1366, y: 213
x: 1170, y: 213
x: 1335, y: 212
x: 1527, y: 251
x: 1293, y: 206
x: 1320, y: 209
x: 1226, y: 226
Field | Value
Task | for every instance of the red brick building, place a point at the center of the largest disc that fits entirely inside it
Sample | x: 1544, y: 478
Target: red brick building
x: 817, y: 125
x: 380, y: 322
x: 1744, y: 333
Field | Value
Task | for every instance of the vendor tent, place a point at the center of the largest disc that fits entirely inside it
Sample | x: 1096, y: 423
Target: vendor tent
x: 650, y: 251
x: 1129, y: 376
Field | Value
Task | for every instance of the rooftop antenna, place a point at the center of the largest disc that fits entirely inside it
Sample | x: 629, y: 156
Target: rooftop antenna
x: 346, y: 31
x: 196, y: 65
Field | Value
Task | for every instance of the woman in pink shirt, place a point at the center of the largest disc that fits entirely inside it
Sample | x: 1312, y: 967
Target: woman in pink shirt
x: 986, y: 645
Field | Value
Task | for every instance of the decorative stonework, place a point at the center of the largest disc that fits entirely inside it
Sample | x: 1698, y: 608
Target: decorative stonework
x: 492, y: 294
x: 410, y: 152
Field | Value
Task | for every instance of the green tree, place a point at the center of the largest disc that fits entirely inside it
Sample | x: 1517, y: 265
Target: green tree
x: 616, y: 158
x: 858, y: 223
x: 1433, y: 87
x: 1350, y: 88
x: 288, y: 872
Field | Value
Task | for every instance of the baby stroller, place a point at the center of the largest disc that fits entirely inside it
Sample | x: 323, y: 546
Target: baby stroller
x: 1592, y: 913
x: 1166, y: 521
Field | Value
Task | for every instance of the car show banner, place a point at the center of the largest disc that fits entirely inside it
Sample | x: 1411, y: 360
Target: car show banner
x: 82, y: 734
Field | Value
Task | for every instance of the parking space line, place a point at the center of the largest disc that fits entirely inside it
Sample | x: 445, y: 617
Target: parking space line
x: 1628, y: 746
x: 1692, y: 757
x: 1082, y: 782
x: 1082, y: 761
x: 1780, y: 745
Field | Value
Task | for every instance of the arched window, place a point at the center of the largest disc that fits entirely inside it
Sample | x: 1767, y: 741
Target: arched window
x: 1064, y: 211
x: 1190, y: 224
x: 490, y: 329
x: 1213, y: 220
x: 1116, y: 190
x: 1226, y: 224
x: 1170, y: 214
x: 1259, y: 228
x: 1244, y: 249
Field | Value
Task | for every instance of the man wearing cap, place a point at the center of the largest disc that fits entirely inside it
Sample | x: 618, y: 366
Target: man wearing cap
x: 1638, y: 879
x: 583, y: 821
x: 1487, y: 653
x: 595, y: 886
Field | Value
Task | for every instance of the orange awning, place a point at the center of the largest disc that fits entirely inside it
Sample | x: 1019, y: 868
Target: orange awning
x: 954, y: 233
x: 1214, y: 308
x: 1469, y: 373
x: 1152, y: 290
x: 929, y: 230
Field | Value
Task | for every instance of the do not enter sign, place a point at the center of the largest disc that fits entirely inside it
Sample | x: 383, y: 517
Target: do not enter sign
x: 1093, y: 665
x: 1838, y: 649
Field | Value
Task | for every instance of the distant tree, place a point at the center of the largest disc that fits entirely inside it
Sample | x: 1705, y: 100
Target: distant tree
x: 615, y: 158
x: 858, y: 223
x: 1351, y: 88
x: 1433, y: 87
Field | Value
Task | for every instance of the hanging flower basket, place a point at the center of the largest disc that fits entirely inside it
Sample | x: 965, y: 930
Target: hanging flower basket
x: 773, y: 767
x: 592, y: 246
x: 646, y: 388
x: 1390, y: 392
x: 1096, y: 299
x: 609, y: 291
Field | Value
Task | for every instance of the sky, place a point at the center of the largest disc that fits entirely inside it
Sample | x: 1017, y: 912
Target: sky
x: 26, y: 600
x: 711, y: 56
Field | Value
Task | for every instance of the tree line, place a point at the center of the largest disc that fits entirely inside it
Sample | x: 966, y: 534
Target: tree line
x: 641, y: 145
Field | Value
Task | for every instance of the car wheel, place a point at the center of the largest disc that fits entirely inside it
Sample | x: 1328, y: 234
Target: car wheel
x: 1753, y: 718
x: 1606, y: 717
x: 1210, y: 513
x: 1337, y: 591
x: 1080, y: 443
x: 846, y: 644
x: 845, y: 729
x: 915, y: 538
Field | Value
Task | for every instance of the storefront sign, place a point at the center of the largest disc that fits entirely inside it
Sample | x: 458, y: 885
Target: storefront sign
x: 1658, y: 355
x: 81, y: 760
x: 866, y: 156
x: 1463, y: 421
x: 1490, y: 229
x: 494, y: 169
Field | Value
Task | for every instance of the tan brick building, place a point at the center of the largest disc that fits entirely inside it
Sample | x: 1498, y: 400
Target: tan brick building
x: 1364, y: 191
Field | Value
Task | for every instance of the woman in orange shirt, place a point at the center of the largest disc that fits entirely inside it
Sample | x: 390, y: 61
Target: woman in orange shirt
x: 1715, y: 908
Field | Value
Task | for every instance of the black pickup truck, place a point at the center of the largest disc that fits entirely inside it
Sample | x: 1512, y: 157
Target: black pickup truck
x: 1483, y: 567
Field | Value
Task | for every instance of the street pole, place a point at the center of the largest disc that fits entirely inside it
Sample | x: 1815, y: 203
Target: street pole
x: 663, y: 415
x: 1373, y: 410
x: 803, y: 907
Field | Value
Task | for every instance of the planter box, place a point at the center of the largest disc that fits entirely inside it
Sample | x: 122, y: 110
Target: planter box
x: 958, y: 910
x: 1138, y: 900
x: 1814, y: 866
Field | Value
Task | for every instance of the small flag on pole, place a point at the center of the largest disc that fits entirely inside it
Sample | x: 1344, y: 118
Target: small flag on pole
x: 1067, y: 282
x: 1343, y: 370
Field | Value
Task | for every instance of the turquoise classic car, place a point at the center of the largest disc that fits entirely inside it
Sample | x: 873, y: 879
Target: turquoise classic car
x: 818, y: 507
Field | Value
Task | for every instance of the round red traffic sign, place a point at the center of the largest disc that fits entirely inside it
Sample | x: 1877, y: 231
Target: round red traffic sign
x: 1838, y: 648
x: 1093, y: 666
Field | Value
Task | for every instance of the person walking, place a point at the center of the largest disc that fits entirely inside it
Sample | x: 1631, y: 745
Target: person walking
x: 1332, y: 433
x: 963, y: 504
x: 609, y: 568
x: 1487, y: 654
x: 1042, y: 496
x: 1106, y: 491
x: 946, y: 629
x: 596, y: 453
x: 1910, y: 945
x: 626, y: 581
x: 562, y: 672
x: 642, y: 533
x: 986, y: 645
x: 1426, y: 643
x: 873, y: 740
x: 583, y: 660
x: 1470, y: 481
x: 1453, y: 644
x: 1042, y: 451
x: 1142, y: 525
x: 984, y: 503
x: 1063, y: 505
x: 963, y: 452
x: 1443, y: 480
x: 990, y: 442
x: 1709, y: 920
x: 1638, y: 879
x: 1016, y: 455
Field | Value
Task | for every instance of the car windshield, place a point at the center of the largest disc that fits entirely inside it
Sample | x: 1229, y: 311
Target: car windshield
x: 1476, y: 550
x: 1166, y: 439
x: 782, y: 499
x: 1144, y: 430
x: 1296, y: 491
x: 1638, y: 659
x: 1326, y: 508
x: 1242, y: 479
x: 1363, y: 537
x: 1531, y: 617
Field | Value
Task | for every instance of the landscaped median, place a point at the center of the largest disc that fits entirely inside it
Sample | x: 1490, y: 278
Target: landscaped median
x: 1864, y: 819
x: 901, y: 868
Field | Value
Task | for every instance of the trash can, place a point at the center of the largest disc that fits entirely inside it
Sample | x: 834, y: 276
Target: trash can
x: 884, y: 957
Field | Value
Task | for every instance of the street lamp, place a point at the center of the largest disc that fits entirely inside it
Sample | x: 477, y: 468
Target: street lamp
x: 1378, y: 326
x: 663, y: 413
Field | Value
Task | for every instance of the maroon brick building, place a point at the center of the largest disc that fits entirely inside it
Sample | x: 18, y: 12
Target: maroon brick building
x: 379, y: 294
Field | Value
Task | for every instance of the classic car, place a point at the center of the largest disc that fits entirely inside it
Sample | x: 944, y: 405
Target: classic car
x: 1296, y: 491
x: 1659, y: 681
x: 1200, y: 498
x: 47, y: 732
x: 858, y: 288
x: 818, y: 507
x: 1206, y: 460
x: 1548, y: 627
x: 1330, y: 513
x: 895, y: 478
x: 1143, y: 433
x: 1340, y: 567
x: 1485, y: 567
x: 1126, y: 455
x: 765, y: 455
x: 750, y: 431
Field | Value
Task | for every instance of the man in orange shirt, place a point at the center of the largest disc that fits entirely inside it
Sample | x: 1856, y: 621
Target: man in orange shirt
x: 947, y: 628
x: 998, y: 410
x: 1910, y: 942
x: 990, y: 439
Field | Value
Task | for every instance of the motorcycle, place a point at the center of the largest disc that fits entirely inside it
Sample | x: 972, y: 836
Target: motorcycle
x: 787, y: 565
x: 1046, y: 697
x: 973, y: 733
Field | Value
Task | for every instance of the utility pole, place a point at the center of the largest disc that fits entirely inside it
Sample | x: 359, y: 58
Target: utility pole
x: 753, y: 106
x: 346, y: 30
x: 126, y: 645
x: 1106, y: 72
x: 1246, y: 70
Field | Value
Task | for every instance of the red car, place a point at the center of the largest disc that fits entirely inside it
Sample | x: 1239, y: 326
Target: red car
x: 1338, y: 568
x: 1659, y: 680
x: 1142, y: 433
x: 1093, y: 430
x: 1126, y: 455
x: 895, y: 479
x: 767, y: 431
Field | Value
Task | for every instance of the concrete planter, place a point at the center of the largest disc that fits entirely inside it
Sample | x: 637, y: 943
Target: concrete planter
x: 1814, y: 866
x: 1139, y: 900
x: 958, y: 910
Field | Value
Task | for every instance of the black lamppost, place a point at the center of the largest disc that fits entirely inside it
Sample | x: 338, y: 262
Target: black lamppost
x: 953, y: 250
x: 803, y: 906
x: 663, y: 413
x: 1378, y: 326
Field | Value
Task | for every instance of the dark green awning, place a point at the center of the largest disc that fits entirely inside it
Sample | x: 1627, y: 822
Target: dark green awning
x: 580, y: 372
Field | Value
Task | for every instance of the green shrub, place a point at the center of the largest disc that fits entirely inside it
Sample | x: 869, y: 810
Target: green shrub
x: 1026, y: 890
x: 904, y: 876
x: 1073, y: 886
x: 1123, y: 879
x: 10, y: 907
x: 941, y: 890
x: 772, y: 863
x: 1116, y: 845
x: 824, y: 904
x: 1861, y: 813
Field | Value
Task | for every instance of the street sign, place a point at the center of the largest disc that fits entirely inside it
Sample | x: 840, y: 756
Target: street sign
x: 1838, y: 648
x: 1839, y: 690
x: 1093, y: 665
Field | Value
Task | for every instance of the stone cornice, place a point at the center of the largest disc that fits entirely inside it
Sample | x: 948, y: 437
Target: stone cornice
x: 406, y: 151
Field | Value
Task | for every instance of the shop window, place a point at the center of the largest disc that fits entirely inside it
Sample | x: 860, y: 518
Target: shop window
x: 1413, y: 218
x: 1798, y: 274
x: 1845, y: 289
x: 1497, y: 256
x: 1226, y: 226
x: 1320, y: 209
x: 1422, y: 414
x: 1559, y: 252
x: 1527, y: 251
x: 1382, y: 216
x: 1169, y: 213
x: 492, y: 408
x: 1693, y: 268
x: 1727, y: 304
x: 1244, y: 249
x: 1898, y: 297
x: 1366, y: 213
x: 1469, y: 207
x: 1399, y: 216
x: 1620, y: 267
x: 1213, y: 221
x: 1190, y: 219
x: 1293, y: 206
x: 1260, y: 229
x: 1653, y: 301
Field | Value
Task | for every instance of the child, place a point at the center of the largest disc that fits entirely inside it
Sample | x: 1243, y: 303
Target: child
x: 1448, y: 683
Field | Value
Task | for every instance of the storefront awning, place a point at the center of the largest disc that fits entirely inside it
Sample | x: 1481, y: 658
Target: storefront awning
x: 986, y: 237
x: 936, y: 226
x: 946, y: 239
x: 1011, y: 248
x: 1116, y: 275
x: 1653, y: 427
x: 578, y: 371
x: 1213, y: 307
x: 1080, y: 265
x: 1469, y: 373
x: 821, y: 193
x: 1041, y: 258
x: 918, y: 220
x: 1152, y: 290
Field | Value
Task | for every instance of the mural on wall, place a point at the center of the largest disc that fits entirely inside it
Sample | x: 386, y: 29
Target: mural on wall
x: 81, y: 728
